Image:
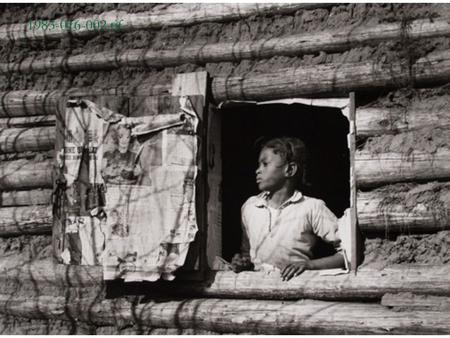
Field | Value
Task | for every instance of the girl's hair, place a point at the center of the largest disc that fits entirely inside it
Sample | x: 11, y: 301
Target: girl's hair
x: 291, y: 149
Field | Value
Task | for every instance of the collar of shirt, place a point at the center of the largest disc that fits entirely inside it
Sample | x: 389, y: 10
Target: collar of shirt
x: 264, y: 196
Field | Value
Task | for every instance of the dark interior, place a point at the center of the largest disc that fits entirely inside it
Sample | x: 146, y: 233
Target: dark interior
x: 245, y: 126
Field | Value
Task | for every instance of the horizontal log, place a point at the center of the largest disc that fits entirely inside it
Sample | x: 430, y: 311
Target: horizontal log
x: 28, y: 155
x: 114, y: 330
x: 378, y: 120
x: 25, y: 197
x: 11, y: 325
x: 46, y: 273
x: 330, y: 41
x: 333, y: 79
x: 371, y: 169
x: 29, y: 103
x: 27, y: 139
x: 367, y: 284
x: 27, y: 121
x: 408, y: 211
x: 24, y: 103
x: 234, y: 316
x: 173, y: 15
x: 408, y: 300
x: 319, y: 80
x: 369, y: 121
x: 386, y: 168
x: 36, y: 219
x: 25, y: 174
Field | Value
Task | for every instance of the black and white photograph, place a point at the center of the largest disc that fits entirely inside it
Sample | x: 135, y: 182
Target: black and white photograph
x: 234, y: 168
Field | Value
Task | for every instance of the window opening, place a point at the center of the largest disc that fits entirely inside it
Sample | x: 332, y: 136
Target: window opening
x: 245, y: 126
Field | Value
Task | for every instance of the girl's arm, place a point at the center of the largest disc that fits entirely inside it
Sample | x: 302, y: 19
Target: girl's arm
x: 330, y: 262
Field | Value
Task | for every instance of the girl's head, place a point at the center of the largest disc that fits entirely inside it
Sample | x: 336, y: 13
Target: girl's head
x: 281, y: 162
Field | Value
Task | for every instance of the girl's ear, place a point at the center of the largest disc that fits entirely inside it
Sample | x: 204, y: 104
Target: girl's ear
x: 291, y: 169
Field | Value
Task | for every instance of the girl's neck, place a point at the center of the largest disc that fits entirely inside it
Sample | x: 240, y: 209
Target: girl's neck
x: 277, y: 198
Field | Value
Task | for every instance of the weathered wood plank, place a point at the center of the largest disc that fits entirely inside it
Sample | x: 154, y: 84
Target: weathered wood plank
x: 27, y: 139
x: 385, y: 168
x: 408, y: 211
x: 234, y: 316
x: 412, y: 301
x: 36, y: 219
x: 25, y: 174
x: 29, y: 103
x: 377, y: 121
x: 329, y: 41
x: 25, y: 197
x: 319, y: 80
x: 28, y: 155
x: 371, y: 169
x: 379, y: 211
x: 173, y: 15
x: 332, y: 79
x: 368, y: 284
x: 27, y: 121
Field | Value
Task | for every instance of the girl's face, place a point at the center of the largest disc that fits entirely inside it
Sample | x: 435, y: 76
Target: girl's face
x: 123, y: 136
x: 271, y: 171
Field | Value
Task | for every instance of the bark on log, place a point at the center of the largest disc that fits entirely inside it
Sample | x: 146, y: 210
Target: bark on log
x: 11, y: 325
x: 392, y: 211
x: 29, y: 103
x: 234, y: 316
x: 25, y: 197
x: 25, y: 174
x: 411, y: 301
x: 293, y: 45
x: 369, y: 122
x: 27, y: 122
x: 320, y: 80
x: 371, y: 170
x: 368, y: 284
x: 35, y: 219
x: 379, y: 211
x: 27, y: 139
x: 377, y: 121
x: 28, y: 155
x: 174, y: 15
x: 386, y: 168
x: 46, y: 273
x: 332, y: 79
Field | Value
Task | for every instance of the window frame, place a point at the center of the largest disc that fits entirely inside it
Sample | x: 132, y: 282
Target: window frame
x: 347, y: 107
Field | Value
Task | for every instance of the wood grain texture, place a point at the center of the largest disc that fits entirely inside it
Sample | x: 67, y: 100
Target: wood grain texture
x: 375, y: 169
x: 158, y: 17
x: 25, y: 174
x: 25, y: 197
x: 233, y: 316
x: 379, y: 120
x: 382, y: 211
x: 35, y: 219
x: 329, y: 41
x: 27, y: 139
x: 368, y: 284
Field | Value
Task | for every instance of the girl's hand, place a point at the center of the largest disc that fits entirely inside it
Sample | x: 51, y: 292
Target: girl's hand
x: 295, y: 269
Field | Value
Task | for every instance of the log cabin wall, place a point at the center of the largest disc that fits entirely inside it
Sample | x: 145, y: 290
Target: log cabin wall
x: 394, y: 57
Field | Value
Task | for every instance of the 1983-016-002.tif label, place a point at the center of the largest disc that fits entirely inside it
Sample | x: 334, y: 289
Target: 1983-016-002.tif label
x: 73, y: 25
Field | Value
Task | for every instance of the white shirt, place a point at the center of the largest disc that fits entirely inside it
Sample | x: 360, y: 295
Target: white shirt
x: 279, y: 236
